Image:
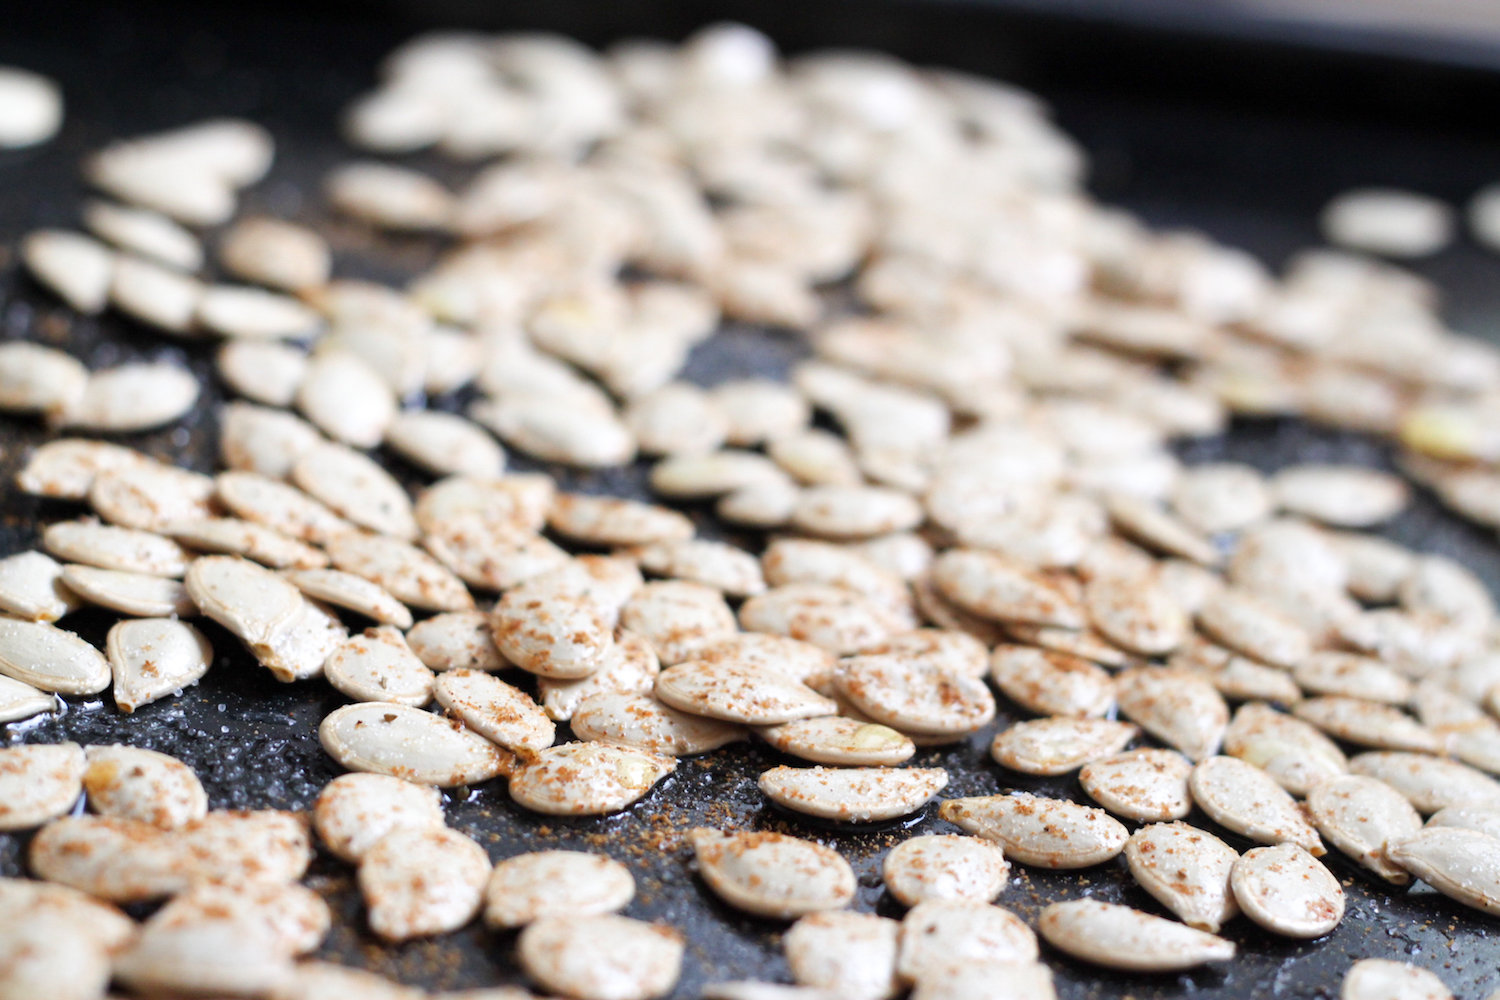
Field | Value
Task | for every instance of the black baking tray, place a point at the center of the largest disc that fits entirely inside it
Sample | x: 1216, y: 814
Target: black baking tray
x: 1185, y: 132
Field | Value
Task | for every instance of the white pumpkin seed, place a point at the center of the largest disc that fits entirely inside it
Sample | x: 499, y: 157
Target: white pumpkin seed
x: 458, y: 640
x: 1349, y: 675
x: 678, y: 618
x: 945, y: 867
x: 1348, y: 496
x: 296, y: 918
x: 226, y: 957
x: 601, y: 957
x: 853, y: 794
x: 139, y: 784
x: 151, y: 658
x: 1368, y: 723
x: 815, y: 457
x: 161, y: 297
x: 1049, y: 683
x: 354, y: 486
x: 1144, y: 785
x: 408, y: 743
x: 851, y: 954
x: 232, y: 536
x: 38, y: 379
x: 492, y: 555
x: 355, y: 593
x: 254, y: 313
x: 38, y: 783
x: 762, y: 505
x: 1118, y: 937
x: 1295, y: 754
x: 1134, y: 611
x: 839, y: 741
x: 262, y: 371
x: 1243, y: 798
x: 1387, y: 221
x: 279, y: 506
x: 939, y: 931
x: 324, y: 981
x: 1463, y: 865
x: 389, y: 197
x: 702, y: 477
x: 529, y: 887
x: 346, y: 399
x: 720, y: 565
x: 1383, y: 979
x: 1485, y: 819
x: 678, y: 418
x: 1429, y: 783
x: 1187, y: 870
x: 974, y: 981
x: 1221, y: 497
x: 1287, y: 891
x: 51, y: 659
x: 567, y: 431
x: 129, y: 593
x: 262, y: 440
x: 354, y: 811
x: 801, y: 560
x: 1449, y: 590
x: 612, y: 521
x: 33, y: 108
x: 760, y: 410
x: 22, y: 701
x: 276, y: 254
x: 631, y: 667
x: 249, y: 600
x: 854, y: 511
x: 946, y: 649
x: 550, y: 635
x: 1178, y: 707
x: 65, y: 467
x: 586, y: 779
x: 109, y: 547
x: 133, y: 397
x: 144, y: 232
x: 410, y: 575
x: 1359, y: 816
x: 1047, y: 833
x: 1244, y: 622
x: 993, y: 587
x: 639, y: 720
x: 72, y: 266
x: 379, y: 666
x: 913, y: 697
x: 421, y: 881
x: 495, y: 710
x: 31, y: 588
x: 444, y: 444
x: 149, y: 497
x: 1059, y: 744
x: 837, y: 620
x: 1084, y: 643
x: 771, y: 874
x: 1144, y: 522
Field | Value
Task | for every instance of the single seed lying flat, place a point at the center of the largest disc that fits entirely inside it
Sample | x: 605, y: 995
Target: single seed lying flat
x: 948, y: 649
x: 1144, y: 785
x: 133, y: 397
x: 1187, y: 870
x: 678, y: 618
x: 38, y: 782
x: 50, y: 658
x: 586, y: 779
x: 495, y: 710
x: 631, y: 668
x: 378, y: 665
x: 1348, y: 496
x: 410, y: 575
x: 915, y: 698
x: 1136, y: 612
x: 249, y: 600
x: 1429, y: 783
x: 723, y: 689
x: 108, y: 547
x: 38, y: 379
x: 528, y: 887
x: 31, y: 588
x: 231, y: 536
x: 345, y: 398
x: 939, y: 931
x: 72, y: 266
x: 144, y: 232
x: 854, y: 511
x: 1245, y: 622
x: 458, y: 640
x: 354, y: 811
x: 1159, y: 530
x: 601, y: 957
x: 1485, y: 819
x: 1368, y: 723
x: 771, y: 874
x: 33, y: 108
x: 1463, y: 865
x: 129, y: 593
x: 139, y: 784
x: 1243, y: 798
x: 551, y: 635
x: 22, y: 701
x: 157, y: 295
x: 851, y: 954
x: 1178, y: 707
x: 280, y: 506
x: 613, y: 521
x: 445, y: 444
x: 263, y: 371
x: 973, y: 981
x: 409, y: 743
x: 421, y: 881
x: 714, y: 564
x: 836, y: 619
x: 1383, y: 979
x: 581, y: 432
x: 65, y: 467
x: 639, y: 720
x: 1059, y: 744
x: 254, y: 313
x: 945, y: 867
x: 1118, y: 937
x: 296, y: 917
x: 1287, y: 891
x: 1387, y: 221
x: 152, y: 657
x: 275, y: 253
x: 839, y: 741
x: 236, y: 957
x: 1050, y: 683
x: 853, y: 794
x: 993, y: 587
x: 355, y: 593
x: 1359, y: 816
x: 150, y: 497
x: 1048, y: 833
x: 355, y: 487
x: 1352, y: 676
x: 1291, y: 751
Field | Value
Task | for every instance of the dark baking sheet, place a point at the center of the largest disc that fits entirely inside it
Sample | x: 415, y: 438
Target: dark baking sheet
x: 1249, y: 174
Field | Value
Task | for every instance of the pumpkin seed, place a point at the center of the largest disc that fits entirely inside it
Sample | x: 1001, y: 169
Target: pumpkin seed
x: 495, y: 710
x: 144, y: 232
x: 410, y: 575
x: 837, y: 620
x: 280, y: 507
x: 1135, y: 612
x: 98, y: 922
x: 1059, y: 744
x: 714, y: 564
x: 1368, y: 723
x: 149, y: 497
x: 915, y: 698
x: 993, y: 587
x: 1485, y: 819
x: 1118, y: 937
x: 151, y: 658
x: 854, y: 511
x: 815, y: 457
x: 852, y: 954
x: 760, y: 410
x: 51, y: 659
x: 133, y: 397
x: 702, y: 477
x: 421, y: 881
x: 945, y: 867
x: 1244, y: 622
x: 21, y: 701
x: 38, y: 379
x: 254, y: 313
x: 1145, y: 785
x: 72, y: 266
x: 577, y: 432
x: 612, y: 521
x: 296, y: 918
x: 679, y: 418
x: 1376, y: 566
x: 631, y: 667
x: 262, y: 371
x: 444, y: 444
x: 1387, y: 221
x: 945, y: 649
x: 1178, y: 707
x: 355, y: 593
x: 31, y: 587
x: 1049, y: 683
x: 972, y: 981
x: 1360, y: 816
x: 65, y: 467
x: 586, y: 779
x: 160, y: 297
x: 639, y: 720
x: 388, y: 197
x: 1237, y: 678
x: 263, y: 440
x: 939, y: 931
x: 1463, y: 865
x: 1243, y: 798
x: 379, y: 666
x: 772, y: 875
x: 601, y: 957
x: 354, y: 811
x: 529, y: 887
x: 129, y: 593
x: 1383, y: 979
x: 324, y: 981
x: 1448, y: 590
x: 789, y: 561
x: 1187, y: 870
x: 276, y: 254
x: 492, y: 555
x: 458, y: 640
x: 1083, y: 643
x: 1348, y: 496
x: 853, y: 794
x: 1287, y: 891
x: 1295, y: 754
x: 345, y: 398
x: 245, y: 538
x: 226, y: 956
x: 1144, y: 522
x: 759, y: 505
x: 1429, y: 783
x: 839, y: 741
x: 1214, y: 498
x: 408, y: 743
x: 33, y: 108
x: 550, y: 635
x: 247, y: 599
x: 357, y: 488
x: 1443, y: 711
x: 1047, y: 833
x: 678, y: 618
x: 39, y: 783
x: 138, y: 784
x: 1352, y: 676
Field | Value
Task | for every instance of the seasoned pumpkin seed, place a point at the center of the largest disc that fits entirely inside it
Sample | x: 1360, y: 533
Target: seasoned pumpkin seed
x: 379, y: 666
x: 409, y: 743
x: 354, y: 811
x: 152, y: 657
x: 139, y: 784
x: 31, y: 587
x: 1118, y: 937
x: 639, y: 720
x: 771, y: 874
x: 1178, y: 707
x: 1047, y: 833
x: 1429, y: 783
x: 457, y: 640
x: 839, y: 741
x: 1187, y: 870
x: 1059, y: 744
x: 993, y: 587
x: 1368, y: 723
x: 495, y: 710
x: 945, y: 867
x: 410, y: 575
x: 849, y: 953
x: 678, y: 618
x: 1287, y: 891
x: 939, y: 931
x: 1383, y: 979
x: 1360, y: 816
x: 421, y: 881
x: 133, y: 397
x: 1243, y: 798
x: 1463, y: 865
x: 915, y: 697
x: 528, y: 887
x: 39, y: 782
x: 354, y: 486
x: 1294, y: 753
x: 52, y: 659
x: 1144, y: 785
x: 853, y: 794
x: 1050, y: 683
x: 601, y: 957
x: 129, y: 593
x: 586, y: 779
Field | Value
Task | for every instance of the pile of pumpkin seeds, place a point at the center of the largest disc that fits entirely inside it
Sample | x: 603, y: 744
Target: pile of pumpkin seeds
x: 967, y: 488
